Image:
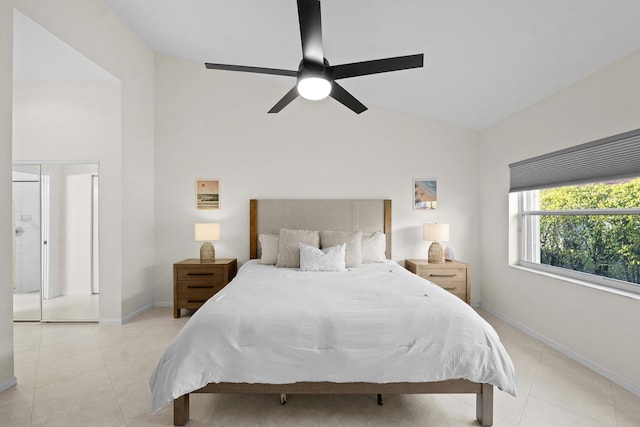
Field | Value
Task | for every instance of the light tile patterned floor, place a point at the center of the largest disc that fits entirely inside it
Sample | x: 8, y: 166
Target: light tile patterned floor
x: 62, y: 308
x: 92, y: 375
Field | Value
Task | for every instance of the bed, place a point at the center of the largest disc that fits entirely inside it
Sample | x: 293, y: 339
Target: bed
x: 282, y: 348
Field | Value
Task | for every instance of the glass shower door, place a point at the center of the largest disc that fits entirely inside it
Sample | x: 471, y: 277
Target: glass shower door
x: 27, y: 242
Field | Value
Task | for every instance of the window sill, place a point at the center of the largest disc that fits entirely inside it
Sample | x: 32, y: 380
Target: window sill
x: 591, y: 285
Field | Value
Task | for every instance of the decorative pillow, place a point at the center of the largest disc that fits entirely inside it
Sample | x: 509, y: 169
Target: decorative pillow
x: 289, y: 246
x: 353, y: 240
x: 374, y: 246
x: 327, y: 259
x: 268, y: 248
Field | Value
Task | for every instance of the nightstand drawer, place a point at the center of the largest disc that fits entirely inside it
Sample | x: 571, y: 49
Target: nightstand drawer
x: 200, y: 274
x: 444, y: 274
x: 458, y: 288
x: 453, y: 276
x: 195, y: 297
x: 196, y: 286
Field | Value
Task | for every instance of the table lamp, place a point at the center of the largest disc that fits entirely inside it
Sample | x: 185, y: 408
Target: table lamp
x: 435, y: 233
x: 207, y: 232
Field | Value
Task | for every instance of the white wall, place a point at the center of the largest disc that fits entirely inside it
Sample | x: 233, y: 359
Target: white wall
x: 214, y: 124
x: 7, y: 377
x: 596, y: 326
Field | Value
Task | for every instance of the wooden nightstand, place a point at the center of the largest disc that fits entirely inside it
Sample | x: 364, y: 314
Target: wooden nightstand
x: 195, y: 282
x: 454, y: 276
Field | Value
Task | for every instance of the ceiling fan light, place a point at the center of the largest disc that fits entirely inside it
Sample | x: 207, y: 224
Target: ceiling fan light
x: 314, y: 88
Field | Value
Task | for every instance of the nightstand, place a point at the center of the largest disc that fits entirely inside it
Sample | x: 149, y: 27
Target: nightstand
x: 195, y: 282
x: 454, y: 276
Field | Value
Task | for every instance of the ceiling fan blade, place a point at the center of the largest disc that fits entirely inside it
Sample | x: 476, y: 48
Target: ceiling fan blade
x: 290, y: 96
x: 341, y: 95
x: 376, y: 66
x: 246, y: 69
x: 311, y: 31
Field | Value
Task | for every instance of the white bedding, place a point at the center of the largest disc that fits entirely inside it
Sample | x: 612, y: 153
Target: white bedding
x: 377, y: 323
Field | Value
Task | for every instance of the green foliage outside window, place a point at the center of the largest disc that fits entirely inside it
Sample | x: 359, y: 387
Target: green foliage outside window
x: 606, y: 245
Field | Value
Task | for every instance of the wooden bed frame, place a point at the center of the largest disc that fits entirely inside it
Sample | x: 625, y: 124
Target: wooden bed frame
x: 483, y: 392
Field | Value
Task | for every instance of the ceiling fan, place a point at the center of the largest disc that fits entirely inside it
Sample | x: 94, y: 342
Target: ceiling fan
x: 316, y: 78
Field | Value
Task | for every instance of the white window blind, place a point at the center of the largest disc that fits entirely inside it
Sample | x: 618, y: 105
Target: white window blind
x: 614, y: 157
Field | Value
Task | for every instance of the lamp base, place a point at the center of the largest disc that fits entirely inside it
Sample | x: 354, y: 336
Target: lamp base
x: 207, y: 252
x: 435, y: 254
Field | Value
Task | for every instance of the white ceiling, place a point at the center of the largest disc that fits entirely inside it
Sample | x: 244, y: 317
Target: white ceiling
x: 39, y: 56
x: 484, y: 59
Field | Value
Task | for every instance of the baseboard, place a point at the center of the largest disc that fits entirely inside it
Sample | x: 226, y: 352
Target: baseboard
x: 163, y: 304
x: 627, y: 385
x: 136, y: 313
x: 111, y: 322
x: 8, y: 384
x: 127, y: 318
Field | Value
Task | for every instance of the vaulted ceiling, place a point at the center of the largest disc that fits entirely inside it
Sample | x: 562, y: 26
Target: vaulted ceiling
x: 484, y: 59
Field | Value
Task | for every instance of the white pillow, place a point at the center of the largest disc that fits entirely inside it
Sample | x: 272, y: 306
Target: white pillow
x: 289, y: 249
x: 328, y: 259
x: 374, y: 246
x: 353, y: 240
x: 268, y: 248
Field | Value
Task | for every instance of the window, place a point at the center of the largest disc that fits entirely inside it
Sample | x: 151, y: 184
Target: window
x: 593, y: 229
x: 579, y: 212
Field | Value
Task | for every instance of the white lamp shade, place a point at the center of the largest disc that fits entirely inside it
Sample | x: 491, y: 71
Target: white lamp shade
x: 435, y: 232
x: 205, y: 232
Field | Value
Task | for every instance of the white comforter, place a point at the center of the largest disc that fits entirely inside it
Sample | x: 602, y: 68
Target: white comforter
x: 377, y: 324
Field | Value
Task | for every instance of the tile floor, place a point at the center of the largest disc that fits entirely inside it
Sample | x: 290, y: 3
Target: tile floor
x: 62, y: 308
x: 92, y: 375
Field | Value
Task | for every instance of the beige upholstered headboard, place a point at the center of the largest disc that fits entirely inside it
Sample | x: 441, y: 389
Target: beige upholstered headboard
x: 270, y: 215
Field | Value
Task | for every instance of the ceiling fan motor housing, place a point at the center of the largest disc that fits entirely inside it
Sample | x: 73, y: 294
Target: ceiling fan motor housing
x: 314, y: 80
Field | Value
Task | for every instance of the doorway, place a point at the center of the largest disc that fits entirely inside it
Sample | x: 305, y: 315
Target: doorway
x: 56, y: 241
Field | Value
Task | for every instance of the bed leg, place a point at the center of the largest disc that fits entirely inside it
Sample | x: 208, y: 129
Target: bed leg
x: 484, y: 405
x: 380, y: 400
x: 283, y: 398
x: 181, y: 410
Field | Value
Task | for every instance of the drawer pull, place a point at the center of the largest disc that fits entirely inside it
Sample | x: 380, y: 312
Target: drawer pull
x: 449, y: 289
x: 200, y: 286
x: 199, y: 274
x: 196, y: 300
x: 442, y: 275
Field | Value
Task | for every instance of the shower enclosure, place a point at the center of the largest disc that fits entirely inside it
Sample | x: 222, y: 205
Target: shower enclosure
x: 55, y: 243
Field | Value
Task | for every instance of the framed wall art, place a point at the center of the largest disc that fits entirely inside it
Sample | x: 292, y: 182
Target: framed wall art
x: 207, y: 194
x: 425, y: 194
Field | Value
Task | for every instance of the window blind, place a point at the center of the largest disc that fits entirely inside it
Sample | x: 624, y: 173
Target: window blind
x: 614, y: 157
